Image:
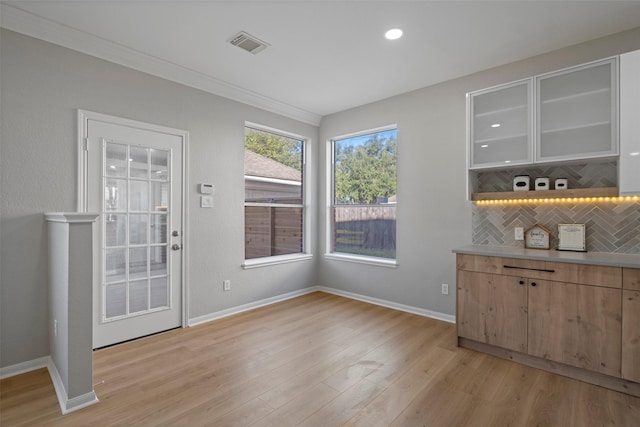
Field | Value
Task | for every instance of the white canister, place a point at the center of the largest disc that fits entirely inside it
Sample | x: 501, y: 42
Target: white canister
x: 562, y: 184
x: 542, y: 183
x: 521, y: 183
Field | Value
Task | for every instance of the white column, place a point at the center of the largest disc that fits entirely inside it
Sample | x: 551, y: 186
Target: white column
x: 70, y: 308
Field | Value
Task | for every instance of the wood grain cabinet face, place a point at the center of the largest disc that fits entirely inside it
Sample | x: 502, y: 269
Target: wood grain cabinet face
x: 573, y: 314
x: 631, y: 278
x: 578, y: 325
x: 492, y: 309
x: 631, y: 335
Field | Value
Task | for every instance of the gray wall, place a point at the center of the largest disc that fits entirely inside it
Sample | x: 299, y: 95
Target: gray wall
x: 433, y: 215
x: 42, y: 86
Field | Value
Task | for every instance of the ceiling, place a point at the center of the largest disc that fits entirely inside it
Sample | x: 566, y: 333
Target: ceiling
x: 324, y: 56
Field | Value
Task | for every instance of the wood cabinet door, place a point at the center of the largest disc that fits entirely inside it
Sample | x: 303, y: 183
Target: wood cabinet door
x: 579, y: 325
x: 631, y: 335
x: 492, y: 309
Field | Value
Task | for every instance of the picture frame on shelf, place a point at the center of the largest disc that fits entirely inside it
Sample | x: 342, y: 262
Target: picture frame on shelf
x: 537, y: 237
x: 572, y: 237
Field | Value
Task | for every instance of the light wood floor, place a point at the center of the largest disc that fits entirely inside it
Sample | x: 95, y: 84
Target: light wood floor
x: 317, y: 360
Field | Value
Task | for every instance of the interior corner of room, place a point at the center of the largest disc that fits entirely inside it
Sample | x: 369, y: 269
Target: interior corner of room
x: 567, y: 117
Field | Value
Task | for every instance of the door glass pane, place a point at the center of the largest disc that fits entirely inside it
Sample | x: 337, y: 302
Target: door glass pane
x: 115, y: 229
x: 159, y: 228
x: 501, y: 123
x: 115, y: 265
x: 158, y: 260
x: 116, y: 160
x: 576, y: 116
x: 139, y: 162
x: 136, y: 240
x: 159, y: 196
x: 137, y: 263
x: 139, y: 196
x: 159, y: 164
x: 138, y: 296
x: 115, y: 300
x: 115, y: 195
x: 159, y: 292
x: 138, y: 229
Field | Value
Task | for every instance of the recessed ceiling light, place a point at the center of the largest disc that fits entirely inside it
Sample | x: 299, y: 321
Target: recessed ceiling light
x: 484, y: 145
x: 495, y: 125
x: 393, y: 34
x: 635, y: 153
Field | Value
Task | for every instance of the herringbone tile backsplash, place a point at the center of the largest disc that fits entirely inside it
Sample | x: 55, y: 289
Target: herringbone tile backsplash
x: 610, y: 227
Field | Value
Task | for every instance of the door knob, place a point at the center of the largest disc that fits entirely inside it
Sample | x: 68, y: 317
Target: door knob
x: 175, y: 247
x: 175, y: 233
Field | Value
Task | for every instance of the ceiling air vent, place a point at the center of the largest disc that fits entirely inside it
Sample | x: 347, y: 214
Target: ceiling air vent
x: 248, y: 42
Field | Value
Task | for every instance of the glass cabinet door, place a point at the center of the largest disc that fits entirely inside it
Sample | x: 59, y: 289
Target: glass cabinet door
x: 576, y: 113
x: 500, y: 126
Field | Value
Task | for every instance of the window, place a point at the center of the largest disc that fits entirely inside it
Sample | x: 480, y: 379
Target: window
x: 363, y: 209
x: 274, y: 209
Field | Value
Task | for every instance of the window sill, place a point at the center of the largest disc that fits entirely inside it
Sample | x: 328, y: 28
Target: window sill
x: 380, y: 262
x: 274, y: 260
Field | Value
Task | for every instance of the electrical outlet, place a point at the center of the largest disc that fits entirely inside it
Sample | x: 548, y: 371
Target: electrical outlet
x: 519, y: 233
x: 445, y: 289
x: 55, y: 328
x: 226, y: 285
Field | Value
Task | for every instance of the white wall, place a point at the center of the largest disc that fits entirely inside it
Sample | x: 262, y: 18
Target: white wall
x: 42, y: 86
x: 433, y: 216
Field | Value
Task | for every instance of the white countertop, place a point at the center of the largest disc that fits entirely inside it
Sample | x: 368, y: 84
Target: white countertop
x: 595, y: 258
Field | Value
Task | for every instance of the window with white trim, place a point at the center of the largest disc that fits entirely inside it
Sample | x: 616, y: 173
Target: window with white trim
x: 364, y: 194
x: 274, y: 202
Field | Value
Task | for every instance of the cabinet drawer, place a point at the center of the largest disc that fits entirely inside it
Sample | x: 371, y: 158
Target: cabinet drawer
x: 610, y: 277
x: 631, y: 278
x: 534, y: 269
x: 481, y: 264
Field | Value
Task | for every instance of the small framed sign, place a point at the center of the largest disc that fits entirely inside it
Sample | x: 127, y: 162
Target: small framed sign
x: 537, y: 237
x: 571, y: 237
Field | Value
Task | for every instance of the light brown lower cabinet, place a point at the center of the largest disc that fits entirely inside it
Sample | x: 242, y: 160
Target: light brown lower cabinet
x: 492, y: 309
x: 631, y: 335
x: 579, y: 325
x: 532, y: 308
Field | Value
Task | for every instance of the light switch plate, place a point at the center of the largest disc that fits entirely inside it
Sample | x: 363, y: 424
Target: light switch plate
x: 519, y: 233
x: 206, y: 201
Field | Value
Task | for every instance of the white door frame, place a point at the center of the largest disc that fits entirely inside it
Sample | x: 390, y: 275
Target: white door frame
x: 83, y: 183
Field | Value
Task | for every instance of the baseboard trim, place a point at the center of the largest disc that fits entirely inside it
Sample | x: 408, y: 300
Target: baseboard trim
x: 21, y: 368
x: 390, y: 304
x: 273, y: 300
x: 250, y: 306
x: 68, y: 405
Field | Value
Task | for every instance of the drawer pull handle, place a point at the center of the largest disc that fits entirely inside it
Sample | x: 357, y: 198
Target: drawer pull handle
x: 533, y: 269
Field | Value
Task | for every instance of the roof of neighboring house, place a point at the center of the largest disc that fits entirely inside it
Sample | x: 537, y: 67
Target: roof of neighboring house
x: 257, y: 165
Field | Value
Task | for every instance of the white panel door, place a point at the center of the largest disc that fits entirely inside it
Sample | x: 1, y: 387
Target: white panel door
x: 134, y: 180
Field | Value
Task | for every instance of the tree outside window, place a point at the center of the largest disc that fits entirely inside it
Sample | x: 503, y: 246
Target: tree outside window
x: 365, y: 194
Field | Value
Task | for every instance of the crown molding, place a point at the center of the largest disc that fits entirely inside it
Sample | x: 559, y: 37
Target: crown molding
x: 15, y: 19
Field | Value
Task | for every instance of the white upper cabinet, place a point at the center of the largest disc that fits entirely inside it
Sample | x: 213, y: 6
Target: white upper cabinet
x: 629, y: 165
x: 576, y: 113
x: 500, y: 125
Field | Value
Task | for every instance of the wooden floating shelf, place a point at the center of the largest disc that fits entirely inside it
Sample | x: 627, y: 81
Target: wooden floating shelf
x: 546, y: 194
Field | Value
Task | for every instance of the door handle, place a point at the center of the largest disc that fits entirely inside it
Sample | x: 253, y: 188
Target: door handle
x: 176, y: 247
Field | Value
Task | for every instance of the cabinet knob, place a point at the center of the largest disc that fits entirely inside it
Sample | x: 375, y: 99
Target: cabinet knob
x: 521, y: 282
x: 533, y: 283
